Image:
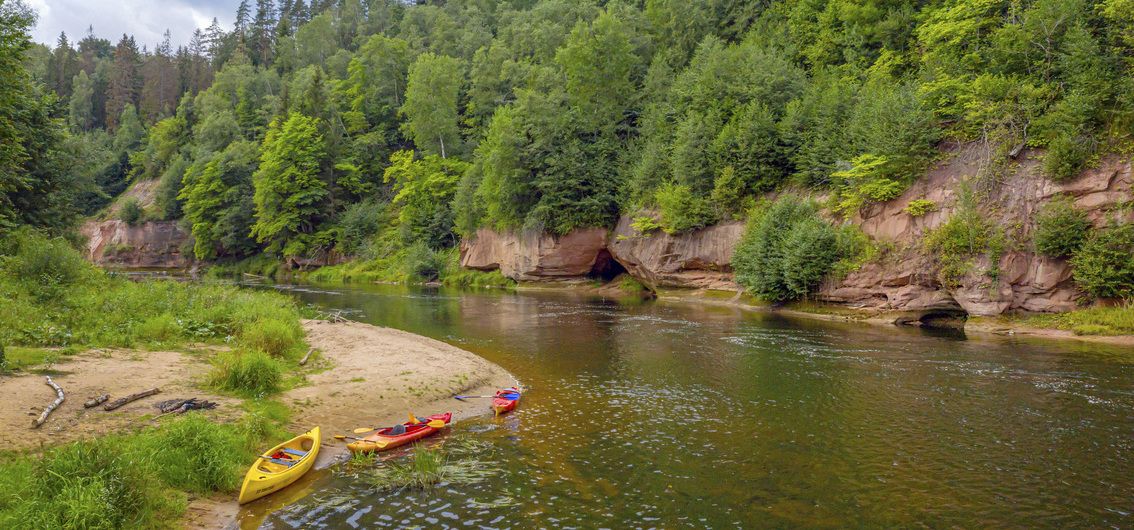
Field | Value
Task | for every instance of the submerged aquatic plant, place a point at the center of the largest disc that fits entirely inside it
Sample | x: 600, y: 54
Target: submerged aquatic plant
x: 461, y: 461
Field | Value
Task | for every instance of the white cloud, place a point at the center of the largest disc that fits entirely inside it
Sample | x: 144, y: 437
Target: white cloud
x: 146, y: 20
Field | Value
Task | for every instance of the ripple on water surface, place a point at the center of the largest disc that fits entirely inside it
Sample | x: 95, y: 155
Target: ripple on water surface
x: 658, y: 416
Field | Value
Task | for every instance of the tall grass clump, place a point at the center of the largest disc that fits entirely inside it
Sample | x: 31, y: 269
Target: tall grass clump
x: 90, y: 485
x: 274, y: 336
x: 133, y: 481
x: 193, y: 454
x: 248, y: 373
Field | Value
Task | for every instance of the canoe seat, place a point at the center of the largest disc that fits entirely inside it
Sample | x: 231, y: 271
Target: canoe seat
x: 287, y: 463
x: 295, y: 452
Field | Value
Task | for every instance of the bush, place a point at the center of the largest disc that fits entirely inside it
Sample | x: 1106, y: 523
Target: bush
x: 870, y: 179
x: 273, y: 336
x: 681, y: 210
x: 920, y: 207
x: 159, y: 328
x: 131, y: 212
x: 360, y: 222
x: 786, y: 251
x: 247, y: 373
x: 1104, y: 265
x: 1066, y: 156
x: 1060, y: 228
x: 960, y: 240
x: 47, y: 267
x: 423, y: 263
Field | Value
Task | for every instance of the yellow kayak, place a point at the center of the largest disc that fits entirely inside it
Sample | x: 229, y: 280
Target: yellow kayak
x: 280, y: 466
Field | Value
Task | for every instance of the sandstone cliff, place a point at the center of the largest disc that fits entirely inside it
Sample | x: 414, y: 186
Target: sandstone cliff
x: 904, y: 279
x: 153, y: 244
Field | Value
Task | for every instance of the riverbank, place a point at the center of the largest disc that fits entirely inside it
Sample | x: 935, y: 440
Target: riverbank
x: 361, y: 376
x: 365, y: 376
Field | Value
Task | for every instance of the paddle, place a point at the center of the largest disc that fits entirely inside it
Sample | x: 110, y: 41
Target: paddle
x: 380, y: 443
x: 511, y: 396
x: 436, y: 424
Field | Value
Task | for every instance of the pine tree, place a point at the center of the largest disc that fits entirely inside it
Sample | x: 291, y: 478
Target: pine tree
x: 125, y: 81
x: 214, y: 40
x: 263, y: 32
x: 62, y: 67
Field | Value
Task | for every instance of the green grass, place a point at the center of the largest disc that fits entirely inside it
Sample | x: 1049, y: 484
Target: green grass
x: 135, y: 480
x: 1091, y: 321
x: 405, y: 265
x: 247, y: 373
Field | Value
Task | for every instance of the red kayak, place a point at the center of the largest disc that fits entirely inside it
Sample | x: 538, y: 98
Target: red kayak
x: 505, y: 400
x: 398, y: 435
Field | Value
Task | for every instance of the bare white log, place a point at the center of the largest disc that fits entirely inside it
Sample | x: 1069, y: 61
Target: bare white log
x: 132, y: 397
x: 47, y: 411
x: 303, y: 361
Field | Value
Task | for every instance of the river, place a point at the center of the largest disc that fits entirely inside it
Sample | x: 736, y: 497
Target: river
x: 683, y: 415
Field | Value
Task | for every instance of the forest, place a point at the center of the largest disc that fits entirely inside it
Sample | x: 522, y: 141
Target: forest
x: 386, y: 131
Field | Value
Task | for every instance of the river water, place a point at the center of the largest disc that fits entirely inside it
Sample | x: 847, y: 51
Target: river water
x: 683, y: 415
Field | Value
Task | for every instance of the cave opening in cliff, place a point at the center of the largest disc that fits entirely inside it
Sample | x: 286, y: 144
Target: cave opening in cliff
x: 606, y: 268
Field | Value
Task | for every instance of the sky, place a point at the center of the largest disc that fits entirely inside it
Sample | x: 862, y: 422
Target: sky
x: 145, y: 19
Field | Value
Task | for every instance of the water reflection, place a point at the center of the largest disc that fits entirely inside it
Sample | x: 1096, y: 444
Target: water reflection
x: 685, y: 416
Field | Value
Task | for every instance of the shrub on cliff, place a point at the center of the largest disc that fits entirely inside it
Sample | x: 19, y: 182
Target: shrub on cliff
x: 1104, y: 266
x: 131, y: 212
x: 786, y: 250
x: 1060, y: 228
x: 682, y: 210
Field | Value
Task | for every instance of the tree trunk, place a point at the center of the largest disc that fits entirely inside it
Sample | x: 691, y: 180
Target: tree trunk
x: 94, y: 402
x: 58, y: 401
x: 132, y: 397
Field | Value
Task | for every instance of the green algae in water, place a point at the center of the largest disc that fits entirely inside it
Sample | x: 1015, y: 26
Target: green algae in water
x: 460, y: 461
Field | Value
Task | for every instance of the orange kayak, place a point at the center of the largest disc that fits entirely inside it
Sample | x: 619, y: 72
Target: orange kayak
x: 397, y: 436
x: 505, y: 400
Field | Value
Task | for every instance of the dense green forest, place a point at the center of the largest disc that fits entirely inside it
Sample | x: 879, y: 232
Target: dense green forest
x: 382, y: 129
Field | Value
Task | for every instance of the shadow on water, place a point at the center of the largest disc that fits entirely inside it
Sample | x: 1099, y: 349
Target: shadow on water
x: 679, y: 415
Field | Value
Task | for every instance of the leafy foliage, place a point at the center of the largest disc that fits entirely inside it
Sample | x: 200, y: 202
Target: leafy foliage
x: 1060, y: 228
x: 787, y: 250
x: 1104, y: 265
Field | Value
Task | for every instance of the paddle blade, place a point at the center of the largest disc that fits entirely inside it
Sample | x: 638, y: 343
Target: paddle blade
x: 437, y: 424
x: 361, y: 430
x: 340, y: 437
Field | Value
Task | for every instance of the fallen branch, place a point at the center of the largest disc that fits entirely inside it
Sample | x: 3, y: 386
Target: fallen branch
x: 303, y: 361
x: 94, y: 402
x: 59, y: 400
x: 132, y: 397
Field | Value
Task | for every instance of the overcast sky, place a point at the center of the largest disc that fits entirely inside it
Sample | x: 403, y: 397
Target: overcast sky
x: 145, y: 19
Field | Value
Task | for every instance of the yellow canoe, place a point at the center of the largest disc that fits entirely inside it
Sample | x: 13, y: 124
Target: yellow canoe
x: 280, y: 466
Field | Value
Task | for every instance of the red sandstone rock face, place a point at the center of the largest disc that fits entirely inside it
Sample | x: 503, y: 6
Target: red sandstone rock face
x: 154, y: 244
x: 906, y: 280
x: 700, y: 259
x: 1025, y: 281
x: 534, y: 257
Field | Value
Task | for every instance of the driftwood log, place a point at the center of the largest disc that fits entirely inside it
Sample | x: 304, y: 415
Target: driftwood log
x: 132, y: 397
x: 59, y: 400
x: 94, y: 402
x: 303, y: 361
